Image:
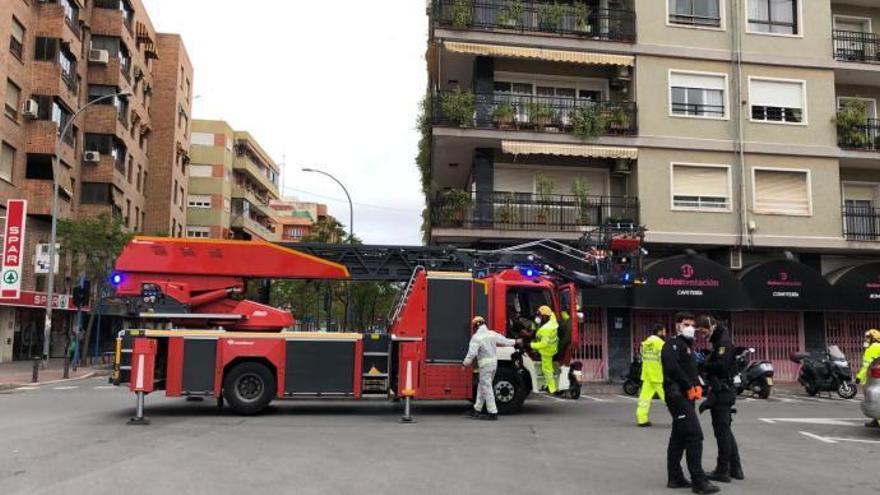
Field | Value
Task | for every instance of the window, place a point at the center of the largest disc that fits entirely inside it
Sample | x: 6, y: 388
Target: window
x: 138, y: 183
x: 782, y: 192
x: 7, y: 161
x: 182, y: 196
x: 38, y: 167
x: 128, y: 213
x: 129, y: 172
x: 695, y: 12
x: 46, y: 49
x: 777, y: 100
x: 125, y: 62
x: 701, y: 187
x: 175, y: 193
x: 173, y: 226
x: 698, y: 94
x: 201, y: 171
x: 860, y: 212
x: 16, y: 39
x: 199, y: 201
x: 198, y: 232
x: 109, y: 43
x: 773, y: 16
x: 188, y: 88
x: 137, y: 219
x: 122, y: 110
x: 97, y: 91
x: 68, y: 69
x: 96, y: 193
x: 13, y: 96
x: 202, y: 139
x: 71, y: 14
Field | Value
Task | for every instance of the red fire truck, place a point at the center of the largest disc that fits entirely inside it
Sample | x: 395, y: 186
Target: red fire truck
x: 193, y: 334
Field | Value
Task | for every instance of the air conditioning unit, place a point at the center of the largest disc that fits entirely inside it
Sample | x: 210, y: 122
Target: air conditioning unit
x: 101, y: 57
x: 91, y: 157
x: 736, y: 259
x: 31, y: 109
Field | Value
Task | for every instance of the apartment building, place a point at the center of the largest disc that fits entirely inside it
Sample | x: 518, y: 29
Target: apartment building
x: 231, y: 184
x: 60, y: 55
x: 297, y: 219
x: 742, y: 134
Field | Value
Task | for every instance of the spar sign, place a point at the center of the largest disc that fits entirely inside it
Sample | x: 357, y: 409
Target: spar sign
x: 13, y: 249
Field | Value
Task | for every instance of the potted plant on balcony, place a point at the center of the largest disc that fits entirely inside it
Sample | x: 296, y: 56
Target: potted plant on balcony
x: 540, y: 114
x: 619, y: 120
x: 462, y: 14
x: 511, y: 13
x: 454, y: 206
x: 851, y: 120
x: 580, y: 188
x: 505, y: 213
x: 588, y: 122
x: 504, y: 115
x: 582, y: 17
x: 544, y: 187
x: 550, y: 16
x: 458, y: 107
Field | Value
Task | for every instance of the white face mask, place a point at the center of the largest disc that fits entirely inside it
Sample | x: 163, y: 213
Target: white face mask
x: 866, y: 345
x: 688, y: 332
x: 538, y: 320
x: 580, y: 316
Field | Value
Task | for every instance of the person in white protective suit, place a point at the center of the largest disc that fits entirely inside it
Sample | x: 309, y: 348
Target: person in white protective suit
x: 482, y: 347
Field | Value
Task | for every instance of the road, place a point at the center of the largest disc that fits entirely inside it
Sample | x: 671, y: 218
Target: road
x: 73, y: 438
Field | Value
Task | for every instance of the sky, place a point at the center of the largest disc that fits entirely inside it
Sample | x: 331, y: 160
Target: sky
x: 333, y: 85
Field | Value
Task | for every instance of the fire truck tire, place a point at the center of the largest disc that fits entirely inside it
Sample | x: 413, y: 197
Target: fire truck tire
x: 510, y: 391
x: 248, y: 388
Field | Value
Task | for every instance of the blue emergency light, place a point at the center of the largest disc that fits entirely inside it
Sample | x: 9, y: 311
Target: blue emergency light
x: 116, y: 279
x: 529, y: 271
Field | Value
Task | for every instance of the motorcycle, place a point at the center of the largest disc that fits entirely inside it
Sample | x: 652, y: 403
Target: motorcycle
x: 828, y: 372
x: 632, y: 381
x: 756, y: 376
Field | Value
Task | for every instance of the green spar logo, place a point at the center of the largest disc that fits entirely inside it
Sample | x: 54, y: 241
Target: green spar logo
x: 10, y: 277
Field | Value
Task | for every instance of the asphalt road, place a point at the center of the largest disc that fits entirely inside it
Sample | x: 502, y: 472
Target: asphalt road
x: 74, y: 439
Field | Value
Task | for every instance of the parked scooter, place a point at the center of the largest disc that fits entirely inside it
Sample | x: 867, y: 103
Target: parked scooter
x: 632, y: 381
x: 829, y: 372
x: 756, y: 376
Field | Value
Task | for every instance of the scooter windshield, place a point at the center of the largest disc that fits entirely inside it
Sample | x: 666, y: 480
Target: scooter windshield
x: 835, y: 353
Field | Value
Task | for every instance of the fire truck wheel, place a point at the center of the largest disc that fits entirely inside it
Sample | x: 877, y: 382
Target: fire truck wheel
x: 510, y: 391
x: 248, y: 387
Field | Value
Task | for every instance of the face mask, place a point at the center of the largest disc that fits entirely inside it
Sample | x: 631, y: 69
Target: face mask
x: 580, y: 316
x: 866, y: 345
x: 538, y: 320
x: 688, y: 332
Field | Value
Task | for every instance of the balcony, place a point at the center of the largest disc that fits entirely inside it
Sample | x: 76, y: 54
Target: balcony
x: 861, y: 137
x: 261, y: 205
x: 861, y: 223
x: 857, y: 47
x: 529, y: 212
x: 245, y: 164
x: 530, y: 17
x: 508, y: 111
x: 253, y: 227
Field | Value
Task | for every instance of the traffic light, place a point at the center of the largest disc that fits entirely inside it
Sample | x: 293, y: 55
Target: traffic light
x: 82, y: 293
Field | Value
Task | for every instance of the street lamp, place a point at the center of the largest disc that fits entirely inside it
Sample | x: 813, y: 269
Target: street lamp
x: 350, y: 204
x: 56, y: 161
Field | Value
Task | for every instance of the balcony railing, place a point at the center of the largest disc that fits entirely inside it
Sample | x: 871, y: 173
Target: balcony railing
x: 508, y: 111
x: 853, y: 46
x: 536, y: 17
x: 864, y: 137
x: 861, y: 223
x: 525, y: 211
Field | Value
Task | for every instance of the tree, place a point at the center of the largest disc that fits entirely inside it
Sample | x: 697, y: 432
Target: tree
x: 92, y: 245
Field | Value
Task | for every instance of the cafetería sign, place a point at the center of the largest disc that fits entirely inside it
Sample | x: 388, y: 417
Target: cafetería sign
x: 785, y: 285
x: 689, y: 282
x: 856, y: 288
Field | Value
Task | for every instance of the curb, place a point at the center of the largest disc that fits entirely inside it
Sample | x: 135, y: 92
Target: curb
x: 91, y: 374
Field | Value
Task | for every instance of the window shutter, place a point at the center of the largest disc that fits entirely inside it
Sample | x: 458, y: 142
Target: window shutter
x: 13, y: 94
x: 700, y: 181
x: 684, y: 80
x: 7, y: 159
x: 17, y: 31
x: 781, y: 192
x: 776, y: 94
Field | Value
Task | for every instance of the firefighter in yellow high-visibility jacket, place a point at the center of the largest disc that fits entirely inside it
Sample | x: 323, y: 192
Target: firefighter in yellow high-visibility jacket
x: 652, y: 374
x: 547, y: 344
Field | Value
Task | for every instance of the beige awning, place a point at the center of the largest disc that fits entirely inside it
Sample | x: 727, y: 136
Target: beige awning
x: 530, y: 148
x: 539, y: 53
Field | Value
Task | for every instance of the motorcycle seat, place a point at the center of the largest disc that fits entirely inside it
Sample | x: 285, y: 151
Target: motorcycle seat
x: 799, y: 356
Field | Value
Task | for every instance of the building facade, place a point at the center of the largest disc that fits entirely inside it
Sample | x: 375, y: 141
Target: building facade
x: 297, y: 219
x: 60, y: 55
x: 743, y: 130
x: 232, y: 182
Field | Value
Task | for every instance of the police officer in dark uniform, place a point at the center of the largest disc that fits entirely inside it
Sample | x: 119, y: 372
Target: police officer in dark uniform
x: 682, y: 385
x: 720, y: 368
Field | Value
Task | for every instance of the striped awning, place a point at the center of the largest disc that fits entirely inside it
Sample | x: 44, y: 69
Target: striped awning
x: 531, y: 148
x: 540, y: 54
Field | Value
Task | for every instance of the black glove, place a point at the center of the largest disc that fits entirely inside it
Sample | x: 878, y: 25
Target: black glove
x: 858, y: 381
x: 703, y: 406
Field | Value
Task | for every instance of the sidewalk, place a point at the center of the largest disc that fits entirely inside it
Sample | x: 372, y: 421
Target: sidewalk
x: 19, y: 373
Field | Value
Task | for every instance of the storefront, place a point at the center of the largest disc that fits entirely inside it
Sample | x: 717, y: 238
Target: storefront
x: 22, y: 321
x: 855, y: 308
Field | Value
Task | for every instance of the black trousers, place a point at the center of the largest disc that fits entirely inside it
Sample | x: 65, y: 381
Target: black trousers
x: 728, y: 452
x: 687, y: 437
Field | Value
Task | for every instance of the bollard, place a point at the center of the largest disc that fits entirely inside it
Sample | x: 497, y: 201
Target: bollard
x: 408, y: 392
x: 35, y: 376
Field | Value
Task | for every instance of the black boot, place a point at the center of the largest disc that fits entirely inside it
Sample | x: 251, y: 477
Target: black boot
x: 702, y: 486
x: 676, y: 483
x: 873, y: 424
x: 473, y: 414
x: 720, y: 475
x: 489, y: 417
x: 736, y: 472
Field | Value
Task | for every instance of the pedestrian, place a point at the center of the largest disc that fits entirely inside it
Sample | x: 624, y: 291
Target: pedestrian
x: 547, y: 344
x: 682, y: 386
x: 872, y: 353
x: 720, y: 368
x: 482, y: 347
x: 652, y: 374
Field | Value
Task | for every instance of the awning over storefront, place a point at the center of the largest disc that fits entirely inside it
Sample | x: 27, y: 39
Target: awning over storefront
x: 856, y: 288
x: 607, y: 297
x: 785, y: 285
x: 584, y: 150
x: 37, y: 300
x: 539, y: 54
x: 689, y: 282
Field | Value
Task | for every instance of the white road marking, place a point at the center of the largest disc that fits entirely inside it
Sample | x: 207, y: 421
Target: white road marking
x: 627, y: 397
x: 596, y: 399
x: 788, y: 401
x: 28, y: 388
x: 816, y: 437
x: 837, y: 439
x: 814, y: 421
x: 68, y: 387
x: 105, y: 387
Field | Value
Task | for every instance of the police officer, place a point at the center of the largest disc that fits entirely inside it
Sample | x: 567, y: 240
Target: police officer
x: 682, y: 385
x: 720, y: 368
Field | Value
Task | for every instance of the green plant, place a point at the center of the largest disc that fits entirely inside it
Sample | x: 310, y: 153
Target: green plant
x: 423, y: 159
x: 540, y: 114
x: 454, y: 204
x: 544, y: 188
x: 458, y: 107
x: 850, y: 120
x: 506, y: 211
x: 511, y: 13
x: 550, y: 15
x: 462, y: 13
x: 580, y: 188
x: 588, y: 122
x: 582, y: 17
x: 504, y: 114
x: 619, y: 118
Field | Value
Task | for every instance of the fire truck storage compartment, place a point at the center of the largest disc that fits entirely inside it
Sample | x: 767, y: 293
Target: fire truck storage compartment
x: 198, y: 372
x: 376, y: 366
x: 449, y: 318
x: 319, y: 367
